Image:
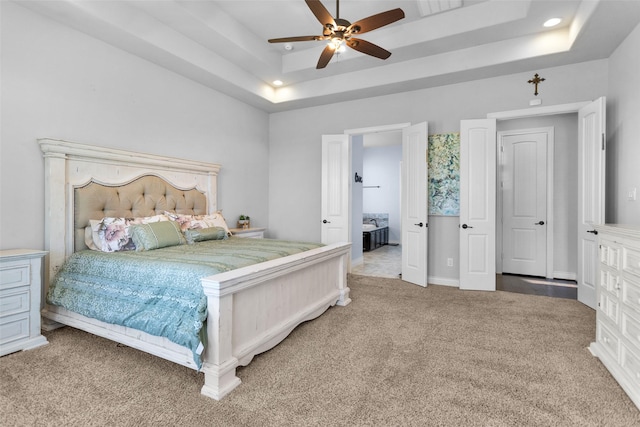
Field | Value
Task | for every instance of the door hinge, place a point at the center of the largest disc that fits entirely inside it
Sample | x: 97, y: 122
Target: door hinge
x: 603, y: 142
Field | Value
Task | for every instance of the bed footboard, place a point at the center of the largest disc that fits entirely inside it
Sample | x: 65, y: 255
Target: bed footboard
x: 252, y: 309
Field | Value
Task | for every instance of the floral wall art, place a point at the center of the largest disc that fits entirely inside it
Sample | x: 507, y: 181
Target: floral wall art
x: 444, y: 174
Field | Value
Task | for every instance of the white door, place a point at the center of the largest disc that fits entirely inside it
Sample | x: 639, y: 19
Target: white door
x: 335, y: 189
x: 478, y: 204
x: 591, y: 193
x: 414, y: 204
x: 523, y: 183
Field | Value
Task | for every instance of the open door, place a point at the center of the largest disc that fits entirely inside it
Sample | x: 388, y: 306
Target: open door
x: 335, y: 189
x: 591, y: 195
x: 414, y: 204
x: 478, y: 204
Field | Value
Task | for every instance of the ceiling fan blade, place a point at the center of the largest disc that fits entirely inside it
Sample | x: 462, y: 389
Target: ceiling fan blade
x: 368, y: 48
x: 320, y: 12
x: 376, y: 21
x: 325, y: 57
x: 296, y: 39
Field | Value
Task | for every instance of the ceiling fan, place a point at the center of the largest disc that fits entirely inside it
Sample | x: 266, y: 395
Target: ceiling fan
x: 339, y: 32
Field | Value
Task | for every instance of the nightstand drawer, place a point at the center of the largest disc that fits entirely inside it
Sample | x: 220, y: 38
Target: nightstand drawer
x: 15, y: 275
x: 14, y: 302
x: 13, y: 328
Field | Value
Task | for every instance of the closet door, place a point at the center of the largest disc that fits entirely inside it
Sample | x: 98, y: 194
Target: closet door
x: 478, y: 204
x: 414, y: 204
x: 591, y: 195
x: 335, y: 189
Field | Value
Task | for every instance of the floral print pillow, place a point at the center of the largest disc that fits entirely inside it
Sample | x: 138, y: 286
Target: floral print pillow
x: 113, y: 234
x: 196, y: 222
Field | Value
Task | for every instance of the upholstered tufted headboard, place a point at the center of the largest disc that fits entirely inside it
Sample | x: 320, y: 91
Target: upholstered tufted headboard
x: 146, y: 196
x: 84, y: 182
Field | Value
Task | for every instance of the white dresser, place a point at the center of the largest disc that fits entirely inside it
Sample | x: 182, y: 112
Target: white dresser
x: 20, y: 292
x: 617, y: 342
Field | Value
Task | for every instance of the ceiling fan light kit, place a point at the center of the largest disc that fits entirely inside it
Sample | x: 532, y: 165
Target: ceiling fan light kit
x: 339, y: 32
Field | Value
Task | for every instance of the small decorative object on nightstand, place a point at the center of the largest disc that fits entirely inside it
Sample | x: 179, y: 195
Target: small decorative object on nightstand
x: 252, y: 233
x: 244, y: 222
x: 20, y: 292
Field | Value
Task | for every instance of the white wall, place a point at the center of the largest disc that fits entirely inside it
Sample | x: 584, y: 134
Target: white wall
x: 623, y: 132
x: 295, y: 140
x: 381, y: 167
x: 60, y: 83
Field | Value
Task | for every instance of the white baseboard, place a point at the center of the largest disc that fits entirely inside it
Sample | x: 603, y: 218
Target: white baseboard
x: 443, y: 281
x: 565, y: 275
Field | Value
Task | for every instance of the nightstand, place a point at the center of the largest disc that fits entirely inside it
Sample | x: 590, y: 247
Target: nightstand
x: 20, y: 292
x: 251, y: 233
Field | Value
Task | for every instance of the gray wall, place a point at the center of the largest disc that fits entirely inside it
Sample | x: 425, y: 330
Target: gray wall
x: 357, y: 165
x: 60, y: 83
x: 623, y: 132
x: 295, y: 141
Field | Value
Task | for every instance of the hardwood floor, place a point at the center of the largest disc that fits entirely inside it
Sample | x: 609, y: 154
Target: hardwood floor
x: 387, y: 262
x: 537, y: 286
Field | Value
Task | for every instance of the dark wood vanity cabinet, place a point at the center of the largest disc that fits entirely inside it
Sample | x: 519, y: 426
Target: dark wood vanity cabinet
x: 373, y: 239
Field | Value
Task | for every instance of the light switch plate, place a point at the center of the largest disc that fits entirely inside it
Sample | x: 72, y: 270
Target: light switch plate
x: 631, y: 195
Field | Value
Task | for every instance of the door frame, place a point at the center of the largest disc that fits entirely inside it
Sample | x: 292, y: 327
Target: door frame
x: 363, y: 131
x: 550, y: 131
x: 550, y: 110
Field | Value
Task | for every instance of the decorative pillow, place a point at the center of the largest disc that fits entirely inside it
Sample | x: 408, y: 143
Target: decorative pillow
x: 202, y: 234
x: 156, y: 235
x: 112, y: 234
x: 192, y: 222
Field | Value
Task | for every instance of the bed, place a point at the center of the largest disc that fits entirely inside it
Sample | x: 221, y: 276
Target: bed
x: 248, y: 310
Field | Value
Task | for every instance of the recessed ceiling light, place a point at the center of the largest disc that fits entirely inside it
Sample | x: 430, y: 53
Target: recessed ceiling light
x: 552, y: 22
x: 277, y: 83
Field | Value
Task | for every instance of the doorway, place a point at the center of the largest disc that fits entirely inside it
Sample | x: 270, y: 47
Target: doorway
x: 561, y: 186
x: 525, y: 201
x: 379, y: 161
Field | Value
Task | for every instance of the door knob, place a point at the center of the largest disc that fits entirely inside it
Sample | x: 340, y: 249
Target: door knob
x: 324, y: 221
x: 539, y: 223
x: 465, y: 226
x: 595, y: 232
x: 419, y: 224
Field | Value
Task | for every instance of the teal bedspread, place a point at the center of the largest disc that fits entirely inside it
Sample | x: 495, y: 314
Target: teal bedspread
x: 159, y: 291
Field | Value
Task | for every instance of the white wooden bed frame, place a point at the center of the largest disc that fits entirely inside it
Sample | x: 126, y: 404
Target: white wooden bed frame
x: 250, y: 310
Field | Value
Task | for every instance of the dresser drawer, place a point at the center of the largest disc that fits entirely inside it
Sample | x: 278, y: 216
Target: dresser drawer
x: 608, y: 306
x: 631, y: 293
x: 630, y: 326
x: 630, y: 362
x: 609, y: 254
x: 13, y: 302
x: 607, y: 339
x: 13, y: 328
x: 631, y: 260
x: 12, y: 276
x: 610, y: 280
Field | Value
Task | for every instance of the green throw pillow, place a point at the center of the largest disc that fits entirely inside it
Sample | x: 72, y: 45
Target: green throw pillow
x: 156, y: 235
x: 202, y: 234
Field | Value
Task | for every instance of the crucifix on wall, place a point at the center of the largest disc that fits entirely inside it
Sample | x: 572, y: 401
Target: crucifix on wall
x: 536, y: 80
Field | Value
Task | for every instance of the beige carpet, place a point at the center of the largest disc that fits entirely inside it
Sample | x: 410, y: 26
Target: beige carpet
x: 397, y: 355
